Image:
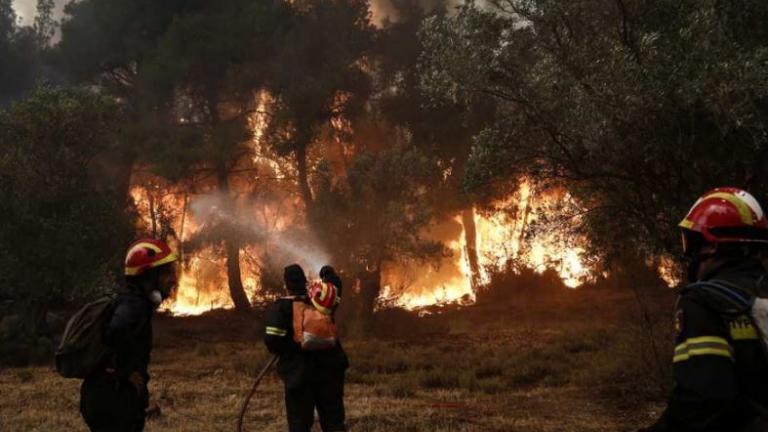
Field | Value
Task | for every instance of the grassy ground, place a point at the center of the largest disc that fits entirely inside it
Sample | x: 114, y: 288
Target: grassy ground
x: 577, y: 365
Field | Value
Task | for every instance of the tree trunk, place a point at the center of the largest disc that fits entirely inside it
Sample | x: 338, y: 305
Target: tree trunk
x: 231, y: 243
x: 470, y: 237
x: 183, y: 223
x: 152, y: 215
x: 232, y: 248
x: 370, y: 288
x: 236, y: 290
x: 524, y: 223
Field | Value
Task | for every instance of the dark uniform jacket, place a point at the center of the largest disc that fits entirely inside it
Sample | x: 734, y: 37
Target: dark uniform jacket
x: 720, y: 367
x: 129, y: 333
x: 295, y: 365
x: 108, y: 400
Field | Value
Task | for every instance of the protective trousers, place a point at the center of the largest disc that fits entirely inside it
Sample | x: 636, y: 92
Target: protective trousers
x: 111, y: 406
x: 324, y: 393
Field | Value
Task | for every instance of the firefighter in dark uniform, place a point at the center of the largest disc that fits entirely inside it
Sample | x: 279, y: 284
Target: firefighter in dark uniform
x: 115, y: 398
x: 720, y: 367
x: 313, y: 379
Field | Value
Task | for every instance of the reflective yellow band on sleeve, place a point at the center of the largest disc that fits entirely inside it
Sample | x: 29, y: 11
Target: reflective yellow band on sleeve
x: 703, y: 346
x: 742, y: 329
x: 274, y: 331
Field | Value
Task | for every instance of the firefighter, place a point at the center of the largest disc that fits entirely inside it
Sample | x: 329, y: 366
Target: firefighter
x: 312, y: 379
x: 115, y: 398
x: 720, y: 368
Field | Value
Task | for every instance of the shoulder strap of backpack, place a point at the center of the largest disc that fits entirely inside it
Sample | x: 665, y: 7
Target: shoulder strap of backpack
x: 726, y: 296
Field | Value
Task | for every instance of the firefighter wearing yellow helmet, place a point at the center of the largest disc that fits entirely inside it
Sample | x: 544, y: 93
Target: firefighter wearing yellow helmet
x: 720, y: 364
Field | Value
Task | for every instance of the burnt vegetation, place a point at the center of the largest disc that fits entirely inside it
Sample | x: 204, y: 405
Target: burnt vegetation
x: 386, y: 138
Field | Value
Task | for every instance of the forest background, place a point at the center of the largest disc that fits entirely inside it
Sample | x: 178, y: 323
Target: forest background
x: 369, y: 123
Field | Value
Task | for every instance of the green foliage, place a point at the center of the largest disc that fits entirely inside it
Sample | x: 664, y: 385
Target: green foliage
x: 62, y: 228
x: 637, y: 107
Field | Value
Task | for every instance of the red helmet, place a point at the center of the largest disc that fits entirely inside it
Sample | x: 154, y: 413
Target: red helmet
x: 145, y: 254
x: 725, y: 215
x: 324, y: 296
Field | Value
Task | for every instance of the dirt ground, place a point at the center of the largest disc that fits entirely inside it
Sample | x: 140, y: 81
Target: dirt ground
x: 515, y: 375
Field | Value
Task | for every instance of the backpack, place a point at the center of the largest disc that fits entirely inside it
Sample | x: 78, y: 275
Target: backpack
x: 313, y: 329
x: 82, y: 349
x: 733, y: 300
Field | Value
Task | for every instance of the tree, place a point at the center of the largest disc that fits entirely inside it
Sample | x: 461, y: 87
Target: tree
x: 108, y: 43
x: 635, y: 107
x: 320, y: 77
x: 61, y: 228
x: 209, y: 66
x: 377, y: 215
x: 443, y: 130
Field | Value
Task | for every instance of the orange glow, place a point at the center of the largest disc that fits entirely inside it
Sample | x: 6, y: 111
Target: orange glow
x: 669, y: 271
x: 420, y: 285
x: 509, y: 236
x: 202, y: 285
x: 504, y: 235
x: 203, y: 275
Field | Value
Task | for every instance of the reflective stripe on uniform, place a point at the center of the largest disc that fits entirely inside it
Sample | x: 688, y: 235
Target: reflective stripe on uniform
x: 742, y: 329
x: 274, y: 331
x: 703, y: 346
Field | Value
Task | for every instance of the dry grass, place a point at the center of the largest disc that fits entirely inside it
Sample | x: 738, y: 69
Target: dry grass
x: 526, y: 373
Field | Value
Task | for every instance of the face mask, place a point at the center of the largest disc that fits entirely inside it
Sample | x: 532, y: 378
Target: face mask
x: 156, y: 297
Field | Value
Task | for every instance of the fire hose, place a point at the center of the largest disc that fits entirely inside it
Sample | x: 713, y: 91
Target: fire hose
x: 256, y: 383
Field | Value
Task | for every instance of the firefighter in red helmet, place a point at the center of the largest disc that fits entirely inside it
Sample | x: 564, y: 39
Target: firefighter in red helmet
x: 115, y: 397
x: 719, y: 364
x: 313, y: 375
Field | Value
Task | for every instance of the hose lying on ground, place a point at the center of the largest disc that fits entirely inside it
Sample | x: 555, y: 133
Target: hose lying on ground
x: 256, y: 382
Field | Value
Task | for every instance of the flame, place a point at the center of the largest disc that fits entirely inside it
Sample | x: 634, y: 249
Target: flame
x: 502, y: 236
x: 202, y: 285
x: 450, y: 282
x: 262, y: 158
x: 505, y: 237
x: 669, y: 271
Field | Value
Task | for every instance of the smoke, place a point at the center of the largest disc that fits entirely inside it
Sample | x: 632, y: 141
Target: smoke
x: 297, y: 246
x: 27, y: 9
x: 389, y: 10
